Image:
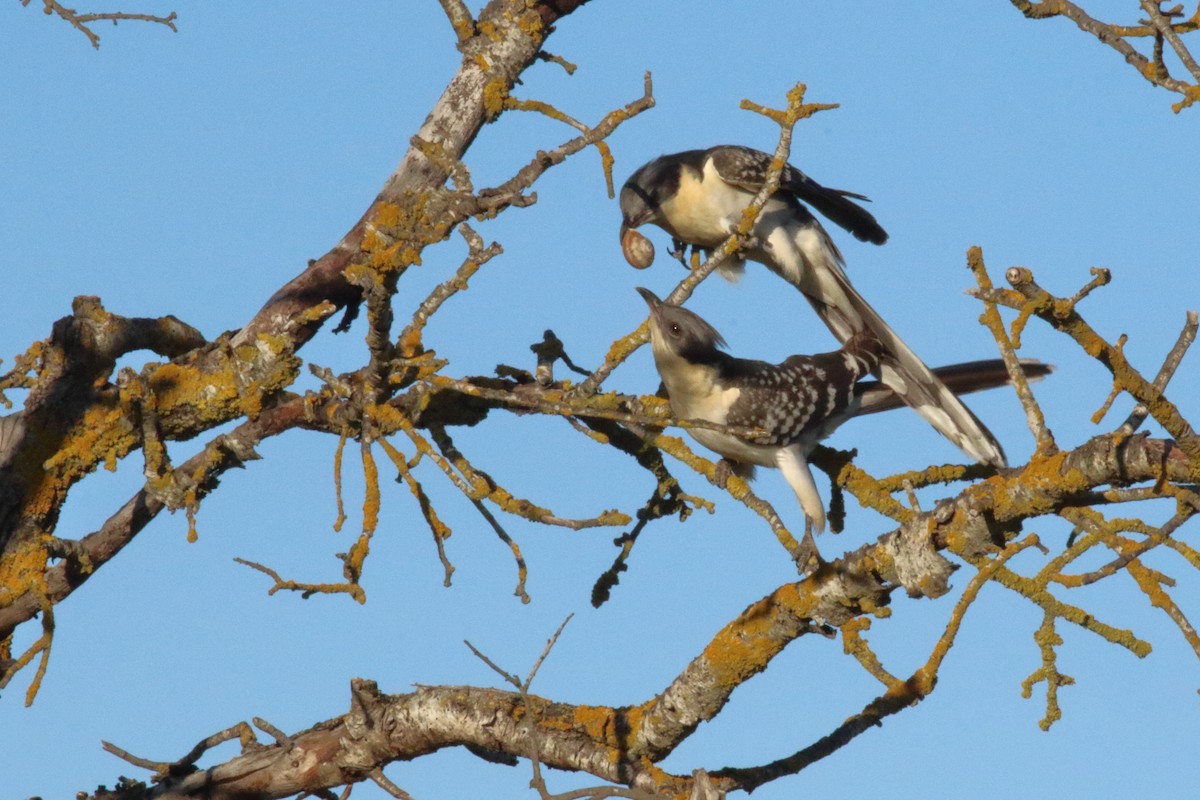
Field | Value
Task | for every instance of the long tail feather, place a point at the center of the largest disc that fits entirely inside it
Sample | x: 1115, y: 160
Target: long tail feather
x: 845, y: 311
x: 965, y: 378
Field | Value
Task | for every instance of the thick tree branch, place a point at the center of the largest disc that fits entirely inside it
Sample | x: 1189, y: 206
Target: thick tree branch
x: 621, y: 744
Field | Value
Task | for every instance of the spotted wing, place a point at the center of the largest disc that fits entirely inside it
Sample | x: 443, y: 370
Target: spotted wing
x: 747, y: 168
x: 801, y: 400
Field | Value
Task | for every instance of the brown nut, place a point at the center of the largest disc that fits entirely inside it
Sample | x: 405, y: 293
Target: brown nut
x: 638, y: 250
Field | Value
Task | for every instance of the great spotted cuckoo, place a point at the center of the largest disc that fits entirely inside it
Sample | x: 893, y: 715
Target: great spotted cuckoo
x: 782, y: 410
x: 698, y: 197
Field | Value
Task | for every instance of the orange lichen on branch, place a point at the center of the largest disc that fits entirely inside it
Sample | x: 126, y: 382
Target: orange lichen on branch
x: 52, y: 465
x: 397, y: 232
x: 744, y: 647
x: 337, y: 482
x: 440, y: 530
x: 1032, y: 589
x: 853, y: 644
x: 599, y: 723
x: 495, y: 97
x: 871, y: 493
x: 354, y: 559
x: 1047, y: 640
x: 990, y: 318
x: 1191, y: 95
x: 541, y: 107
x: 795, y: 111
x: 946, y: 473
x: 23, y: 571
x: 237, y: 384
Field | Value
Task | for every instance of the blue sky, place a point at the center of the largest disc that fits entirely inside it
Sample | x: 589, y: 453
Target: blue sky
x: 194, y: 173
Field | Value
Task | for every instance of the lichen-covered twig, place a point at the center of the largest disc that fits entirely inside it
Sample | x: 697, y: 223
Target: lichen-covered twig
x: 1047, y: 640
x: 991, y: 318
x: 1116, y: 36
x: 440, y: 530
x: 1127, y: 550
x: 409, y: 342
x: 511, y: 191
x: 486, y: 487
x: 606, y: 156
x: 1062, y: 315
x: 41, y: 646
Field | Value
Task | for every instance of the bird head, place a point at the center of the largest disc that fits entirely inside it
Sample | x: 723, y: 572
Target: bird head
x: 643, y: 194
x: 676, y: 333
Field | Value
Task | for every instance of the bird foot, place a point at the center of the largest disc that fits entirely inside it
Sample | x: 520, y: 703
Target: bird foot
x: 808, y: 558
x: 721, y: 474
x: 747, y: 242
x: 679, y: 251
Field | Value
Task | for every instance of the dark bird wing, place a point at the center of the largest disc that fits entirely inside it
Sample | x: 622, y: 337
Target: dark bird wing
x: 804, y: 398
x: 747, y: 168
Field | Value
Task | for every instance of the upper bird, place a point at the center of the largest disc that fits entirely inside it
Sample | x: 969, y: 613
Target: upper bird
x: 698, y: 197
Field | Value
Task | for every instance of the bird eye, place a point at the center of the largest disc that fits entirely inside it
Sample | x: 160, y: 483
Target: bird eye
x: 675, y: 329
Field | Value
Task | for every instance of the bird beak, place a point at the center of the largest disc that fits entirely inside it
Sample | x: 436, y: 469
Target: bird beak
x: 624, y: 230
x: 651, y: 300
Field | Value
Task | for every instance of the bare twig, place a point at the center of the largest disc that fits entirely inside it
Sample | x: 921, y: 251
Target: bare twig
x: 81, y: 21
x: 1186, y: 337
x: 383, y: 782
x: 279, y: 736
x: 306, y: 590
x: 522, y: 569
x: 137, y: 761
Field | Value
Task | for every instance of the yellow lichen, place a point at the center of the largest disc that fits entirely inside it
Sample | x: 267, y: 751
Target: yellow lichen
x: 495, y: 95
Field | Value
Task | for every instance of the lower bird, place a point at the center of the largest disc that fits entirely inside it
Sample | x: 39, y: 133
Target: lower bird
x: 790, y: 406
